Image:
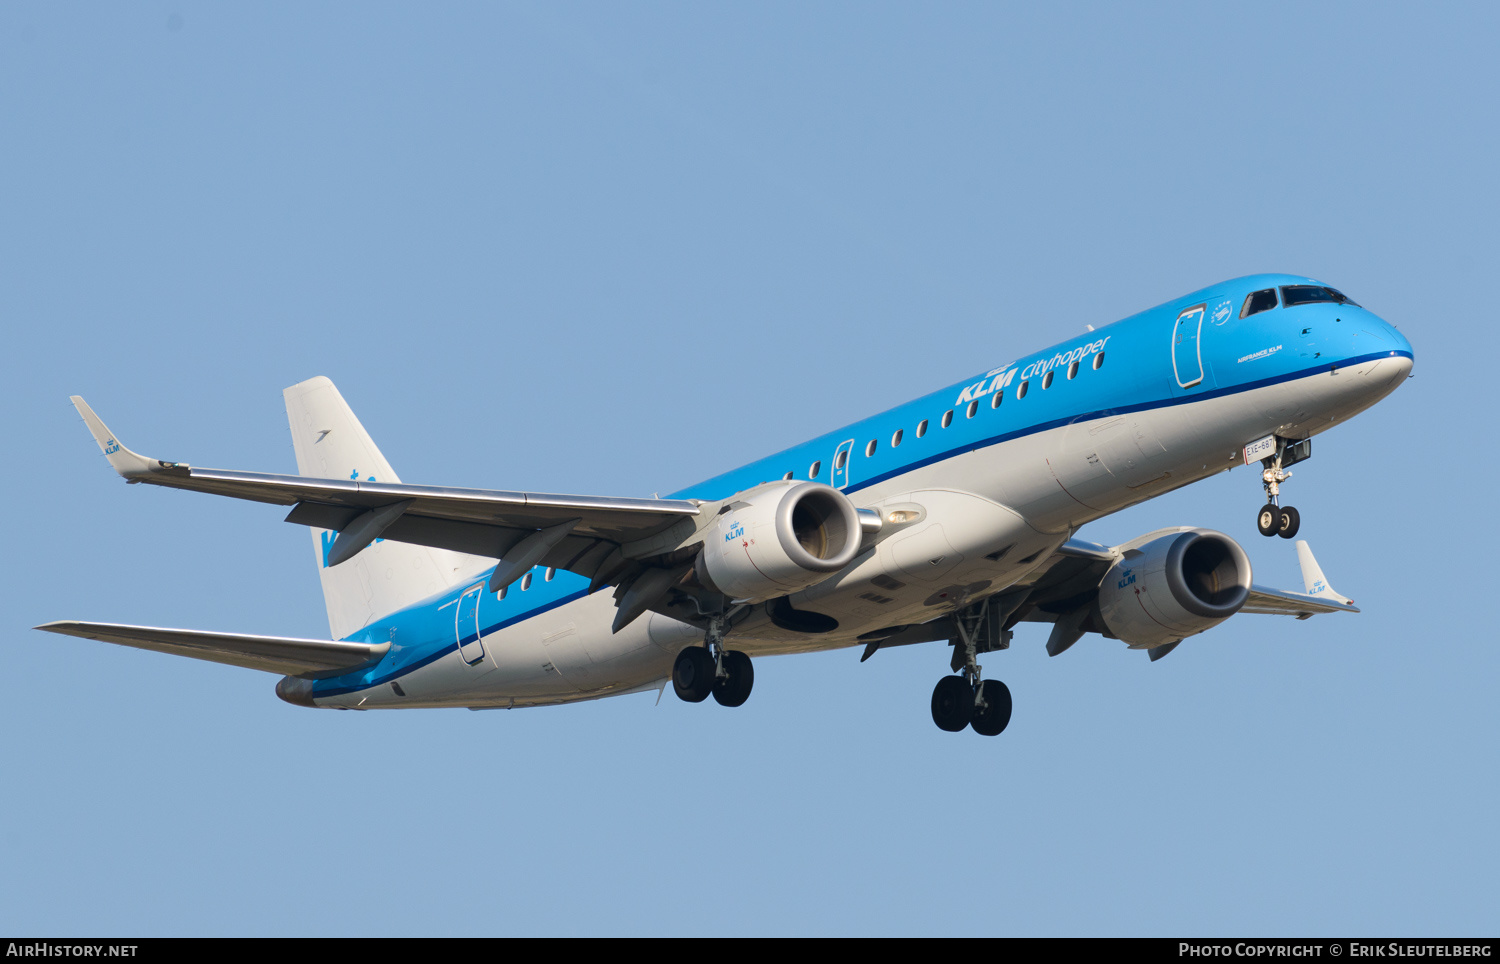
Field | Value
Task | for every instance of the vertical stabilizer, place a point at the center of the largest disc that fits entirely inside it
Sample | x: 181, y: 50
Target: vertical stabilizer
x: 332, y: 444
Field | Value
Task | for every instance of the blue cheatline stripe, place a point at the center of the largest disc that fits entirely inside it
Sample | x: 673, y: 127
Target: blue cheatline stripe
x: 1121, y: 410
x: 444, y: 649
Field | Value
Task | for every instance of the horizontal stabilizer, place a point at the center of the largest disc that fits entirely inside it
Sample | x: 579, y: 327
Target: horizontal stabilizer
x: 311, y: 658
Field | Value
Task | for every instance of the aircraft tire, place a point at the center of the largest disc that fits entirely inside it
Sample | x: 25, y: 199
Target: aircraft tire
x: 952, y: 703
x: 1269, y: 520
x: 992, y: 719
x: 734, y: 690
x: 693, y: 674
x: 1291, y: 521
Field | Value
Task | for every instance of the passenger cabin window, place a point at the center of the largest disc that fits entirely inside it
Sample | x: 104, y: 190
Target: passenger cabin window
x: 1309, y: 294
x: 973, y: 407
x: 840, y: 459
x: 896, y: 439
x: 1021, y: 389
x: 1046, y: 381
x: 1072, y: 371
x: 870, y: 448
x: 922, y: 428
x: 1258, y: 301
x: 817, y: 467
x: 526, y: 582
x: 1099, y: 361
x: 787, y: 477
x: 551, y: 571
x: 996, y: 399
x: 948, y: 418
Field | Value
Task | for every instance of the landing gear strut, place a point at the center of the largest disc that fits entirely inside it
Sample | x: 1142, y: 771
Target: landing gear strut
x: 711, y: 669
x: 1274, y: 518
x: 966, y: 700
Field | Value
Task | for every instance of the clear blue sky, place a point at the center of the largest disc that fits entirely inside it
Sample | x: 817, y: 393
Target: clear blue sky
x: 615, y: 249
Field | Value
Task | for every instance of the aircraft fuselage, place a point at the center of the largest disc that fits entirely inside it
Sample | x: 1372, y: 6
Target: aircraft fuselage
x: 978, y: 483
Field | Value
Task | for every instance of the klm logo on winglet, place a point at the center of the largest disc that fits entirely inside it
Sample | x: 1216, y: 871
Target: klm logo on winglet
x: 111, y: 447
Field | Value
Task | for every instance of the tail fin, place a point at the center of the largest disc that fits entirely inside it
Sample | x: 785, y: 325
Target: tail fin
x: 332, y: 444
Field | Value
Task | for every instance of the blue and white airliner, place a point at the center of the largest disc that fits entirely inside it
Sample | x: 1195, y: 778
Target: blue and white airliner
x: 949, y: 519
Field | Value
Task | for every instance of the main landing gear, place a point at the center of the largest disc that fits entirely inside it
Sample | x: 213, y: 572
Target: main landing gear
x: 966, y: 700
x: 1276, y: 519
x: 710, y: 668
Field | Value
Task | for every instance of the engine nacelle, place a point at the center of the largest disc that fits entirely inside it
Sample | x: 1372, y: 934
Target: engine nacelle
x: 778, y: 538
x: 1173, y: 587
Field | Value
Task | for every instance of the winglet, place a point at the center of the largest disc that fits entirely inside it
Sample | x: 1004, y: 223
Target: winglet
x: 1313, y: 579
x: 129, y: 464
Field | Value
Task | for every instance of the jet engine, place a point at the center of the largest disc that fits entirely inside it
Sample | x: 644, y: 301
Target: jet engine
x: 1173, y: 587
x: 778, y: 538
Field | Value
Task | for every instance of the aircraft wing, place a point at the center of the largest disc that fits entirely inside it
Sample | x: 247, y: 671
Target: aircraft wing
x: 593, y: 536
x: 1077, y: 566
x: 1062, y: 591
x: 309, y: 658
x: 1319, y: 597
x: 1280, y: 602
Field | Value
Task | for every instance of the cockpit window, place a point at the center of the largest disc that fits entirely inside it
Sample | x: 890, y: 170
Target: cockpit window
x: 1308, y: 294
x: 1259, y: 301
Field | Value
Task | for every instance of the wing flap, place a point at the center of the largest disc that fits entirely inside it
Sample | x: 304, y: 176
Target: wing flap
x: 284, y: 656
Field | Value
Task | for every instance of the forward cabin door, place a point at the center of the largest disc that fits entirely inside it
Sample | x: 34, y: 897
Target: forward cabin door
x: 1187, y: 351
x: 841, y: 458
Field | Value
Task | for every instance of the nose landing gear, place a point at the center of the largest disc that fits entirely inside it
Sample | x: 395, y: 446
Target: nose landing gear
x: 1274, y: 518
x: 1277, y: 520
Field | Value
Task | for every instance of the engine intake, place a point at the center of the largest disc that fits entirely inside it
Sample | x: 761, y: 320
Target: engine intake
x: 1173, y: 587
x: 778, y: 538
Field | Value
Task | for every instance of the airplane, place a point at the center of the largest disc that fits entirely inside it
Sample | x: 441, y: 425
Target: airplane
x: 952, y: 518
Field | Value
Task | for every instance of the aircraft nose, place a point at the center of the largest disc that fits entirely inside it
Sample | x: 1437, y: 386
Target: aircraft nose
x: 1399, y: 359
x: 1402, y: 345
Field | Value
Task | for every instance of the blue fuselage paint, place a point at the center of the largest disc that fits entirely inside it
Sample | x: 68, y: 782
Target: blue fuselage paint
x: 1157, y: 358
